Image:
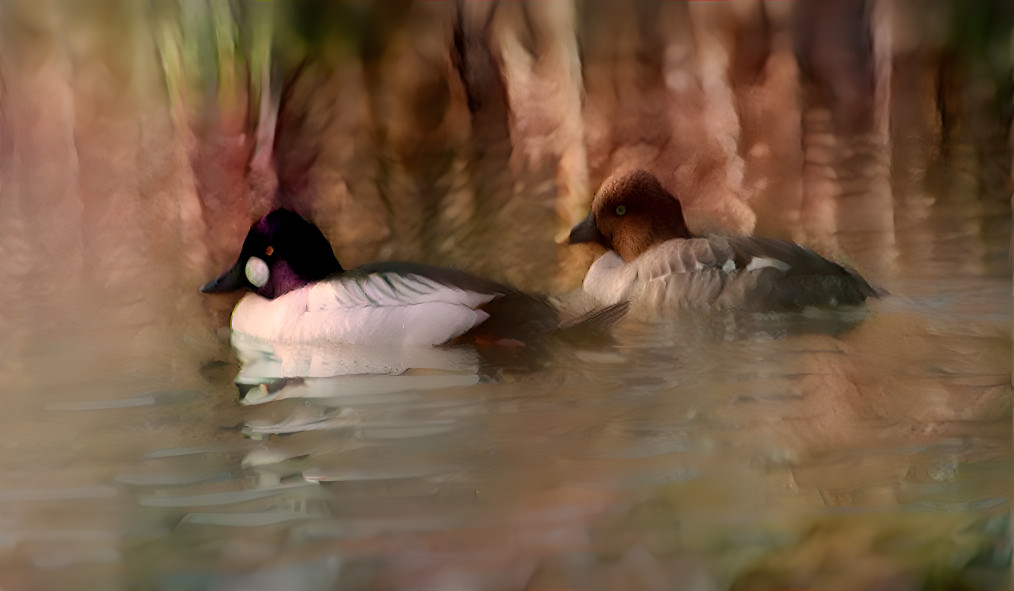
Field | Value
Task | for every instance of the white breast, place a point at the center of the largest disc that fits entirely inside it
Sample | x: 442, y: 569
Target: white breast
x: 375, y: 309
x: 610, y: 280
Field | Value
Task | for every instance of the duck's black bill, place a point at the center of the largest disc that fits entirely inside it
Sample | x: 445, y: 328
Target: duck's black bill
x: 585, y: 231
x: 231, y: 280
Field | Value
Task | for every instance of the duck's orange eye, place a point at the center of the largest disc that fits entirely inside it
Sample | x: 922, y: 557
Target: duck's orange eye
x: 620, y: 210
x: 269, y: 251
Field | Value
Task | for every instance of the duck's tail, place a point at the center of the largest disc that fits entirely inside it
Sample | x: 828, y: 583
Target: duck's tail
x: 593, y: 326
x: 867, y: 289
x: 599, y: 318
x: 520, y: 318
x: 525, y: 344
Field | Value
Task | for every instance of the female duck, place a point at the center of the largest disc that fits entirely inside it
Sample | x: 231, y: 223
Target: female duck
x: 301, y: 294
x: 656, y: 263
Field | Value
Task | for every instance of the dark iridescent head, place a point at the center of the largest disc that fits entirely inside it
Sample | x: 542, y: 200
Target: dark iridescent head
x: 282, y: 252
x: 631, y: 213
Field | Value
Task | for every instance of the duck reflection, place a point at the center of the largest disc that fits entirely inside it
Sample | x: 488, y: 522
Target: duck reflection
x: 272, y: 371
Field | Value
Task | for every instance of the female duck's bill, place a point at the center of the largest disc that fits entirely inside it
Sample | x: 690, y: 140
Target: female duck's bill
x: 656, y: 263
x: 301, y: 294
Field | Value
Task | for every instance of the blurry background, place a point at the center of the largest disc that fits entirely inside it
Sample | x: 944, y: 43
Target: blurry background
x: 437, y: 130
x: 138, y: 140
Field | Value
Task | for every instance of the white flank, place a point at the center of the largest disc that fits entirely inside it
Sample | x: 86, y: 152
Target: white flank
x: 378, y: 309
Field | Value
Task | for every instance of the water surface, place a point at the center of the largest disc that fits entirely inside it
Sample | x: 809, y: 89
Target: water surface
x: 849, y: 449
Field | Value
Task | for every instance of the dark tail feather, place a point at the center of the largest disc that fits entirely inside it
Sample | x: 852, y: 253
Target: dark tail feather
x: 528, y: 346
x: 600, y: 318
x: 867, y: 289
x: 593, y: 327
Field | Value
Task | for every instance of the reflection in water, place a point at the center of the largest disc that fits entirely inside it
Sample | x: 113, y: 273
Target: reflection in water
x: 357, y: 369
x: 866, y: 448
x: 679, y: 456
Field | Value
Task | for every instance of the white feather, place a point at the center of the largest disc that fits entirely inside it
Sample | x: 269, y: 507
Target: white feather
x: 762, y: 262
x: 391, y: 289
x: 609, y: 279
x: 376, y: 309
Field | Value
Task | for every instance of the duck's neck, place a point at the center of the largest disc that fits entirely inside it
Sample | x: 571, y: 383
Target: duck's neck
x: 286, y: 277
x: 319, y: 267
x: 666, y: 224
x: 671, y: 226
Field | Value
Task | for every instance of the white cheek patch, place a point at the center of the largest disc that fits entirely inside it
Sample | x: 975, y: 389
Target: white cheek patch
x: 729, y: 266
x: 257, y: 272
x: 761, y: 262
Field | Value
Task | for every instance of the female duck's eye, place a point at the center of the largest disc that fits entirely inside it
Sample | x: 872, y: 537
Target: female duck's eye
x: 620, y: 210
x: 269, y: 251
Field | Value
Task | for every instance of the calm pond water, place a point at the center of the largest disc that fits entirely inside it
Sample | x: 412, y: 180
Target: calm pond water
x: 857, y: 449
x: 837, y: 451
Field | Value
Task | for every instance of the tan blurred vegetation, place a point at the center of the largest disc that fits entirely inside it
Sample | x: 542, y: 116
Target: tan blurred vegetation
x: 139, y: 140
x: 474, y: 133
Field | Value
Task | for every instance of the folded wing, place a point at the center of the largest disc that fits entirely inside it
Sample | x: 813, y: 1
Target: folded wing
x: 720, y: 272
x: 390, y: 308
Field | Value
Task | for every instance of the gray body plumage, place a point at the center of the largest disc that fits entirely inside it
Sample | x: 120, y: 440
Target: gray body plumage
x: 725, y: 272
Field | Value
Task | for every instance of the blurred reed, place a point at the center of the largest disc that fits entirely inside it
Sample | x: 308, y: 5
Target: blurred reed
x: 474, y: 133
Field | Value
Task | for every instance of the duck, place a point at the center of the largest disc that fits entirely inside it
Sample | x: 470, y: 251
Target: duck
x: 300, y: 294
x: 656, y: 263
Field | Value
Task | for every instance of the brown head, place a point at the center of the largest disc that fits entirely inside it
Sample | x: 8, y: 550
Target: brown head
x: 630, y: 214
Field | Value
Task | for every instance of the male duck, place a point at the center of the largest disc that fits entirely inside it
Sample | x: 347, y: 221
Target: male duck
x: 656, y: 263
x: 301, y: 294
